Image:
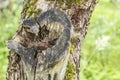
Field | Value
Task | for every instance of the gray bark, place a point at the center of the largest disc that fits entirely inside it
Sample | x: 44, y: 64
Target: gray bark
x: 43, y: 53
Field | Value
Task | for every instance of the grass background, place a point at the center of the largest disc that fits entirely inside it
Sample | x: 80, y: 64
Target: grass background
x: 101, y: 48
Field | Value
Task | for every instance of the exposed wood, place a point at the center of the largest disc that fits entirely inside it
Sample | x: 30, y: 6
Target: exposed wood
x: 49, y: 63
x: 30, y: 56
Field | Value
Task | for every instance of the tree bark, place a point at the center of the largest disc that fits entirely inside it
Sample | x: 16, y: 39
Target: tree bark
x: 48, y: 43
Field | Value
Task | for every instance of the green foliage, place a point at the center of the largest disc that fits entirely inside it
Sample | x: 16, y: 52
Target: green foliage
x: 8, y: 26
x: 101, y: 48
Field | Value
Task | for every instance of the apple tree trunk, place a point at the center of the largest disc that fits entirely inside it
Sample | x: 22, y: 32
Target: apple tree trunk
x: 45, y: 47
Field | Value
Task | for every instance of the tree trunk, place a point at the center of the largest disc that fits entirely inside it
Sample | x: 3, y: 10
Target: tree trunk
x: 48, y: 42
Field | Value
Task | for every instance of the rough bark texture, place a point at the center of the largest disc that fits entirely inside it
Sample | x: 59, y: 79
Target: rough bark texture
x: 30, y: 56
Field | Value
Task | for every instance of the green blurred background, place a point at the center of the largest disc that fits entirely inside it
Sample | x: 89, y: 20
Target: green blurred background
x: 101, y: 48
